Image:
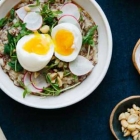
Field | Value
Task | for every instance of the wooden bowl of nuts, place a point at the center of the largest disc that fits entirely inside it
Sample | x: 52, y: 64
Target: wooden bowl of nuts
x: 125, y: 119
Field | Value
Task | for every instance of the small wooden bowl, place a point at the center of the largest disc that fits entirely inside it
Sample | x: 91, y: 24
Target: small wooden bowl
x: 133, y: 56
x: 122, y: 106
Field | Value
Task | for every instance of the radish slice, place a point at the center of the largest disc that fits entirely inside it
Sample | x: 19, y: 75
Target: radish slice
x: 28, y: 84
x: 39, y: 83
x: 70, y: 9
x: 70, y: 19
x: 33, y: 21
x: 21, y: 13
x: 80, y: 66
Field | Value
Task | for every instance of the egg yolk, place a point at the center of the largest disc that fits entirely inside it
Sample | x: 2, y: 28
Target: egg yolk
x: 38, y: 45
x: 64, y: 40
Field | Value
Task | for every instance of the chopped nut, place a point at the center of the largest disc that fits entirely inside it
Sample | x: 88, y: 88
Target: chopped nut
x: 27, y: 9
x: 132, y: 118
x: 139, y: 136
x: 55, y: 70
x: 36, y: 74
x: 136, y: 137
x: 60, y: 65
x: 122, y: 116
x: 131, y: 127
x: 134, y: 132
x: 127, y: 115
x: 57, y: 61
x: 127, y: 133
x: 132, y: 111
x: 53, y: 81
x: 123, y: 129
x: 128, y: 110
x: 138, y: 122
x: 61, y: 74
x: 45, y: 29
x: 53, y: 76
x: 137, y: 112
x: 60, y: 83
x: 138, y: 126
x: 135, y: 107
x: 124, y: 123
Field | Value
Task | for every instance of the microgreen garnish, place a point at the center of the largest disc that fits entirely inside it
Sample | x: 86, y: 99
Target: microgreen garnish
x: 88, y: 38
x: 49, y: 16
x: 26, y: 91
x: 14, y: 64
x: 12, y: 15
x: 34, y: 5
x: 51, y: 1
x: 75, y: 78
x: 10, y: 47
x: 81, y: 16
x: 66, y: 73
x: 3, y: 21
x: 53, y: 89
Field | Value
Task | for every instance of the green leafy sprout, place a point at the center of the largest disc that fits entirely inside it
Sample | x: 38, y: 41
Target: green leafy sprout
x: 88, y: 38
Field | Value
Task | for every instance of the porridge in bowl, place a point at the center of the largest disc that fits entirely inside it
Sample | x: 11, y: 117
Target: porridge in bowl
x: 48, y: 46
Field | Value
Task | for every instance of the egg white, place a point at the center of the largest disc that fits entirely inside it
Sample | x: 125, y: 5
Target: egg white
x: 31, y: 61
x: 77, y: 40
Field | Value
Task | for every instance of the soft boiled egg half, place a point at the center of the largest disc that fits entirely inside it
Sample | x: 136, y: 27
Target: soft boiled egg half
x: 68, y: 41
x: 35, y: 51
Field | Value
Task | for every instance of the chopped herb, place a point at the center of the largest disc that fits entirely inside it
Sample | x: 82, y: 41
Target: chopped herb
x: 88, y: 39
x: 75, y: 78
x: 3, y: 21
x: 51, y: 1
x: 81, y: 16
x: 26, y: 91
x: 49, y: 16
x: 17, y: 24
x: 53, y: 89
x: 66, y: 73
x: 10, y: 47
x: 12, y: 15
x: 15, y: 65
x: 37, y: 4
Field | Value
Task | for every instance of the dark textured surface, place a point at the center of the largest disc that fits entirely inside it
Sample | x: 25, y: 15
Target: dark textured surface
x: 88, y: 119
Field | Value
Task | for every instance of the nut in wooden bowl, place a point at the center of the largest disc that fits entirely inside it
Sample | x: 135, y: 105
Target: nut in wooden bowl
x: 125, y: 119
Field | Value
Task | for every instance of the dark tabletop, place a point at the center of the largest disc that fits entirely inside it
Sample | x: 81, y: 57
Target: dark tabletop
x: 88, y: 119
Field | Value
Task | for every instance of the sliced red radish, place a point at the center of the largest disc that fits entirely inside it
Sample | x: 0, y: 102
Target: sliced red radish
x: 70, y: 9
x: 69, y: 19
x: 39, y: 82
x: 80, y: 66
x: 33, y: 21
x: 28, y: 84
x: 21, y: 13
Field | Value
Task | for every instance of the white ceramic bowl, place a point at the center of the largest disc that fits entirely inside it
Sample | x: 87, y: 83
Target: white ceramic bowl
x: 89, y: 85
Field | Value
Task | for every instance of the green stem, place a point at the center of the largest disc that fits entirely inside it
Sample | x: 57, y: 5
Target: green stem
x: 88, y: 51
x: 70, y: 87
